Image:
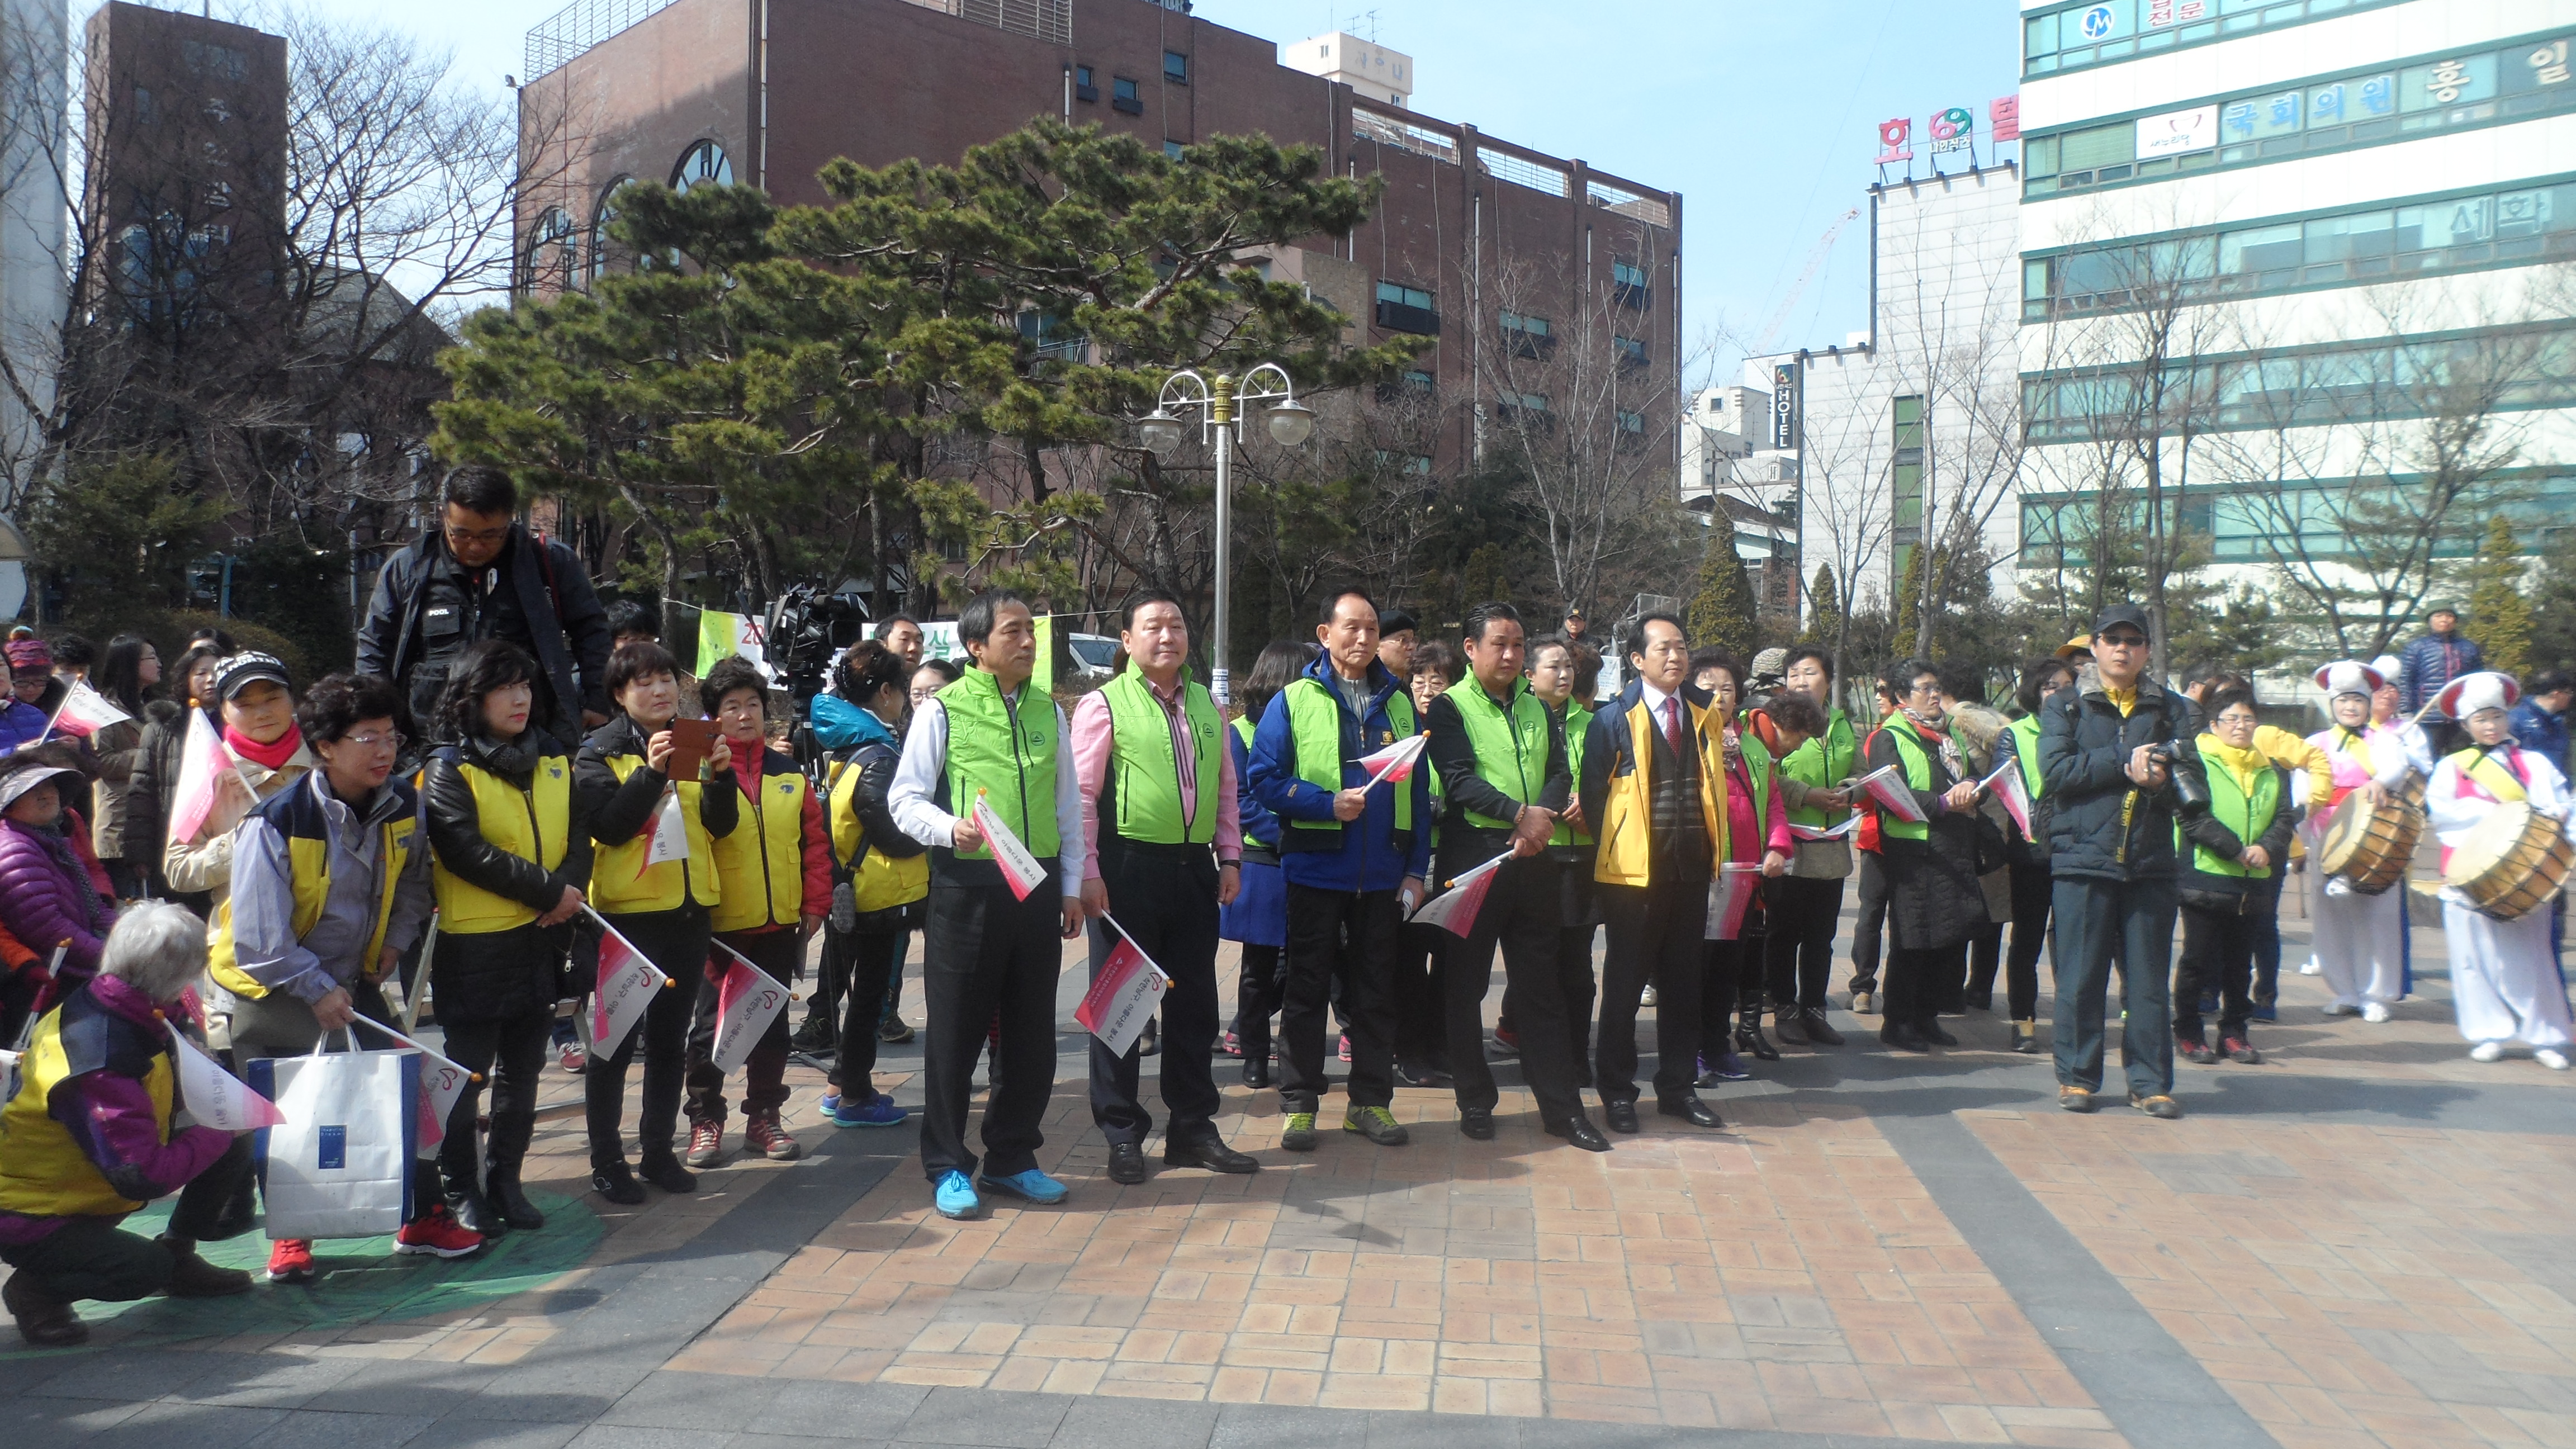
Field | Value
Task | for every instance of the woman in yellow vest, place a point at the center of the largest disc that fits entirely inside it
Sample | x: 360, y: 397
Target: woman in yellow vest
x: 880, y: 877
x: 2240, y: 841
x: 1934, y: 903
x: 510, y: 853
x: 776, y: 869
x: 659, y: 907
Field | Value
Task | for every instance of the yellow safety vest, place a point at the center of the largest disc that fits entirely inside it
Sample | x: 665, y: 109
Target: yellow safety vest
x: 621, y: 882
x: 43, y: 1172
x: 295, y: 813
x: 534, y: 824
x: 763, y: 862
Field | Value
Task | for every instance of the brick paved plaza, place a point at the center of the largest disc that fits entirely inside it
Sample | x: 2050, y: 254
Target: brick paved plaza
x: 2362, y: 1241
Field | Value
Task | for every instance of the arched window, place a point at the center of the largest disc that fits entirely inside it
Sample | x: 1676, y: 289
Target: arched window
x: 549, y: 256
x: 702, y: 164
x: 600, y: 216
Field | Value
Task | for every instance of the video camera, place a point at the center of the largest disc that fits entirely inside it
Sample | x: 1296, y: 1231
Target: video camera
x: 808, y: 629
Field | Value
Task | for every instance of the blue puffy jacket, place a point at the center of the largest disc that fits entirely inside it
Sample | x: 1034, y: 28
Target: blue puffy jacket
x: 1369, y: 859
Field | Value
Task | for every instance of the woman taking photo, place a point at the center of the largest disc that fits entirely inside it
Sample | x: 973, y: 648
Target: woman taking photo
x: 621, y: 784
x: 880, y: 877
x: 511, y: 850
x: 126, y: 677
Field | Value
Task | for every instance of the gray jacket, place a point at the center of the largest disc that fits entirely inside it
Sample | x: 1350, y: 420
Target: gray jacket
x: 330, y: 954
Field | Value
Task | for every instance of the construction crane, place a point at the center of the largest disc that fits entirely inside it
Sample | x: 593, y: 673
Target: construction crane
x: 1815, y: 259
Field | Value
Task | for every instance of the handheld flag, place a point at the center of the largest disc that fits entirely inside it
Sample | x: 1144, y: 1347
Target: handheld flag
x: 1124, y: 995
x: 2009, y: 788
x: 1729, y: 897
x: 1886, y: 785
x: 1396, y: 761
x: 442, y: 1081
x: 1019, y: 867
x: 1824, y: 832
x: 627, y: 981
x: 84, y: 712
x: 670, y: 833
x: 746, y: 1003
x: 1454, y: 910
x: 202, y: 763
x: 215, y: 1097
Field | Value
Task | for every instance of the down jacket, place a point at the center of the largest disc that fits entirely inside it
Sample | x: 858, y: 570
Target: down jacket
x: 48, y: 895
x: 2100, y: 824
x: 508, y: 973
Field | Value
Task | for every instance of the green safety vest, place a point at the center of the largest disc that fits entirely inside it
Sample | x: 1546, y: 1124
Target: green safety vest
x: 1315, y: 723
x: 1244, y: 730
x: 1511, y: 747
x: 1146, y: 774
x: 1007, y: 751
x: 2248, y: 817
x: 1578, y: 723
x: 2025, y: 732
x: 1757, y: 768
x: 1918, y: 775
x: 1823, y: 762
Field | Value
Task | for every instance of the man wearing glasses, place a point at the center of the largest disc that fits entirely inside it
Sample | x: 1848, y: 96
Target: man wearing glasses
x: 480, y: 576
x: 2112, y: 748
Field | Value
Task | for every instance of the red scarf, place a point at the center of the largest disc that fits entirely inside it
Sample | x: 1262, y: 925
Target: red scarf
x: 269, y: 756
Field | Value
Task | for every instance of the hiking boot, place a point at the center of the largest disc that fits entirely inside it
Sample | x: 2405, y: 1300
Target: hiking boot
x: 706, y: 1144
x: 763, y: 1135
x: 2238, y: 1049
x: 2160, y: 1107
x: 43, y: 1320
x: 616, y: 1182
x: 193, y: 1277
x: 1377, y: 1125
x: 2194, y: 1049
x: 893, y: 1031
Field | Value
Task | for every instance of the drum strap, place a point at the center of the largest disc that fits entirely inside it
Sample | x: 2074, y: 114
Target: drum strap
x: 2500, y: 778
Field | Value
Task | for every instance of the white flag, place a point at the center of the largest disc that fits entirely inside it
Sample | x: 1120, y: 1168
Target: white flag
x: 215, y: 1097
x: 1019, y: 868
x: 627, y: 981
x: 670, y: 832
x: 1123, y: 997
x: 1395, y: 762
x: 748, y: 1001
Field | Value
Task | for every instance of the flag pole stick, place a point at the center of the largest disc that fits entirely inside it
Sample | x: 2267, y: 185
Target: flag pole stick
x: 415, y: 1045
x: 586, y: 910
x: 420, y: 983
x: 792, y: 994
x: 1150, y: 961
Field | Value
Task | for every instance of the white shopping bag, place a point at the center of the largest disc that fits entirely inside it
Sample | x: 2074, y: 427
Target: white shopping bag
x: 340, y: 1166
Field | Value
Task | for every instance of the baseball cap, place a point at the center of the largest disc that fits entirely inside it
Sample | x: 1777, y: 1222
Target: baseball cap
x: 2118, y: 614
x: 235, y: 671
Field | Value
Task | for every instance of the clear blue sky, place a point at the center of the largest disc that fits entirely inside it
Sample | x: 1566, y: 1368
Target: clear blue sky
x: 1763, y: 115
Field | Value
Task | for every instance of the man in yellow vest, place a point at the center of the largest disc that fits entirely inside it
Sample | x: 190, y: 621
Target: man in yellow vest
x: 986, y: 948
x: 1160, y: 828
x: 1501, y: 758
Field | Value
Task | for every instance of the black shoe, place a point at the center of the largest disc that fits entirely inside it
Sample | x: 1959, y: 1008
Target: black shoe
x: 475, y: 1213
x: 1622, y: 1116
x: 1750, y: 1041
x: 1691, y: 1110
x: 893, y: 1031
x: 1819, y: 1031
x: 666, y: 1173
x: 1151, y: 1043
x: 1903, y: 1037
x: 1209, y: 1151
x: 1476, y: 1122
x: 1126, y: 1163
x: 1932, y: 1032
x: 814, y: 1034
x: 616, y: 1182
x: 1980, y: 1001
x: 1583, y: 1134
x: 1257, y: 1073
x: 503, y: 1191
x: 1424, y: 1077
x: 1791, y: 1029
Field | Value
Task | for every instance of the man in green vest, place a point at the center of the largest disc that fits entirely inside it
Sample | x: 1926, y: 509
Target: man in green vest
x: 1160, y: 828
x: 1501, y: 758
x: 990, y: 949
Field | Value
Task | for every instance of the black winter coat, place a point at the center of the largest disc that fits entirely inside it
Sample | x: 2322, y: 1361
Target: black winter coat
x: 2099, y: 823
x: 502, y: 974
x: 553, y: 593
x: 154, y: 784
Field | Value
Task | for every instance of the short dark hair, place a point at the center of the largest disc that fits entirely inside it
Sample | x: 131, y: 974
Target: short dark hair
x: 1713, y: 657
x: 73, y: 651
x: 975, y: 621
x: 1484, y: 616
x: 484, y: 667
x: 221, y: 639
x: 625, y: 616
x: 337, y: 702
x: 865, y: 668
x: 1434, y: 656
x: 1796, y: 711
x: 1142, y: 597
x: 481, y: 488
x: 2034, y: 680
x: 886, y: 625
x: 731, y: 673
x: 2230, y: 697
x: 1281, y: 661
x: 945, y: 668
x: 1824, y: 659
x: 1900, y: 675
x: 635, y: 661
x: 1550, y: 641
x: 1333, y: 604
x: 1587, y: 671
x: 2549, y: 681
x: 1637, y: 631
x: 1392, y: 621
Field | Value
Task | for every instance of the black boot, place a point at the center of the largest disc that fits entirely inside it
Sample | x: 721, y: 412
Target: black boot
x: 501, y: 1190
x: 474, y: 1212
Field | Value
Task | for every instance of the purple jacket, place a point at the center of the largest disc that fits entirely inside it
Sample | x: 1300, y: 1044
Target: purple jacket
x: 20, y: 724
x: 46, y: 897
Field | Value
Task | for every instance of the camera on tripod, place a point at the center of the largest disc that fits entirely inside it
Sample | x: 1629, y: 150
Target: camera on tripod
x: 808, y: 629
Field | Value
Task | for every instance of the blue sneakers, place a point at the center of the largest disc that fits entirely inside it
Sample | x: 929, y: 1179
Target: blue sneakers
x: 956, y: 1197
x: 1031, y: 1186
x: 878, y: 1112
x: 831, y: 1103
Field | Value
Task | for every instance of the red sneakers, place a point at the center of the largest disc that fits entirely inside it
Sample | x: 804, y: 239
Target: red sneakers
x: 763, y: 1135
x: 290, y: 1260
x: 438, y: 1234
x: 706, y: 1144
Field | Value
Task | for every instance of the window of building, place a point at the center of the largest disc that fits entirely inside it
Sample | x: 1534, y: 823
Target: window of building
x: 1414, y: 464
x: 1527, y: 336
x: 1906, y: 428
x: 221, y: 61
x: 1402, y: 308
x: 1054, y: 338
x: 1632, y: 353
x: 2093, y: 32
x: 600, y: 216
x: 703, y: 164
x: 147, y: 112
x: 1124, y: 97
x: 1176, y: 67
x: 1628, y: 285
x: 1172, y: 150
x: 1084, y: 87
x: 1412, y: 386
x: 549, y: 260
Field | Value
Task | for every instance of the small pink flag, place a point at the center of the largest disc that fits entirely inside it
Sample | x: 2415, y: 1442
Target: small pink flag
x: 1123, y: 997
x: 746, y: 1003
x: 1729, y: 897
x: 1396, y: 761
x: 202, y: 763
x: 2007, y: 784
x: 1454, y: 910
x: 441, y: 1083
x: 1019, y: 868
x: 1887, y: 786
x: 217, y: 1098
x: 627, y: 981
x: 85, y: 711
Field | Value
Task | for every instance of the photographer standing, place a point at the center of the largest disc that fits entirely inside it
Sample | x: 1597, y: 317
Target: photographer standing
x: 2113, y: 748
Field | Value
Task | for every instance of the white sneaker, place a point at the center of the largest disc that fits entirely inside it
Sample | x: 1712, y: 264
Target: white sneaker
x: 2374, y: 1012
x: 2342, y: 1008
x: 2487, y: 1051
x: 2550, y: 1057
x: 2309, y: 967
x: 1647, y: 996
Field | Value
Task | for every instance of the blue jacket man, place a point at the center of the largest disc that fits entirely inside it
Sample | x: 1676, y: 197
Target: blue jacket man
x: 2442, y: 655
x: 2540, y: 721
x: 1354, y: 859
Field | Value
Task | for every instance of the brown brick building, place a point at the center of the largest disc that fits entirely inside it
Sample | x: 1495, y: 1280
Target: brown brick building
x: 1472, y: 230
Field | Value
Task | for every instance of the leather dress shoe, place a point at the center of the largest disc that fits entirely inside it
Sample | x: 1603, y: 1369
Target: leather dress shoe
x: 475, y: 1213
x: 1932, y: 1032
x: 1820, y: 1032
x: 1126, y: 1163
x: 1257, y: 1074
x: 1208, y: 1151
x: 1622, y: 1116
x: 1790, y: 1028
x: 1691, y: 1110
x: 1583, y: 1134
x: 1476, y: 1122
x: 1902, y: 1036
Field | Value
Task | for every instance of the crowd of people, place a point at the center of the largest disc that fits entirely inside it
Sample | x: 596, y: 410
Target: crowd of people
x: 515, y: 776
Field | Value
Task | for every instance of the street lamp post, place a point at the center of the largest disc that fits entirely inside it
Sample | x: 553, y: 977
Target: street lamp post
x: 1291, y: 423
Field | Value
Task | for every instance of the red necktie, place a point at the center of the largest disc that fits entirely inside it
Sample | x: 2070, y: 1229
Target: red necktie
x: 1673, y: 725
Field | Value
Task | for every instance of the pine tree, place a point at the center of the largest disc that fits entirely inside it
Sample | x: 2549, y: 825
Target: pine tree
x: 2499, y: 616
x: 1909, y: 593
x: 1721, y: 613
x: 1824, y: 609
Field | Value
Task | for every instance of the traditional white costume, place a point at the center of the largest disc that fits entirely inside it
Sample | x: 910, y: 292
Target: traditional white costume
x: 2360, y: 940
x: 2504, y: 984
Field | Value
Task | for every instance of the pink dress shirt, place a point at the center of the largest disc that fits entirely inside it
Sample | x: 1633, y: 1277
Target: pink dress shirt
x: 1093, y: 738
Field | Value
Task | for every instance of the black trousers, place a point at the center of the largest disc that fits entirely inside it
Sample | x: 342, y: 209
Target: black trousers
x: 510, y: 1054
x: 868, y: 961
x: 778, y: 954
x: 2030, y: 899
x: 1798, y: 951
x: 1871, y: 928
x: 91, y: 1257
x: 2217, y: 955
x: 2267, y: 939
x: 985, y: 954
x: 1574, y: 976
x: 676, y: 941
x: 1916, y: 978
x: 1655, y: 935
x: 1166, y: 898
x: 1354, y: 931
x: 1419, y: 995
x: 1257, y: 987
x: 1523, y: 915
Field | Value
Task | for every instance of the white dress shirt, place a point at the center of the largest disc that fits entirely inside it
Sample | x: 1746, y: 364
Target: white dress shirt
x: 913, y: 799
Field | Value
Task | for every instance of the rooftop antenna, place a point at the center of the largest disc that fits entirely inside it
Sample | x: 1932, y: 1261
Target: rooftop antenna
x: 1353, y: 25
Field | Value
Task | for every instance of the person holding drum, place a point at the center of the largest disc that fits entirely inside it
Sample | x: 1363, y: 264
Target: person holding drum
x: 2359, y: 932
x: 2501, y: 813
